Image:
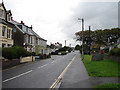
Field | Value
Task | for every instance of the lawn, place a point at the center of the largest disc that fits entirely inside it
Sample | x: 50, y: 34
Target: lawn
x: 112, y: 86
x: 103, y: 68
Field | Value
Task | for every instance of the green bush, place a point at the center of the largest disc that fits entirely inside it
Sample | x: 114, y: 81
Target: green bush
x: 14, y: 52
x: 115, y: 52
x: 55, y: 53
x: 49, y: 56
x: 33, y: 54
x: 63, y: 53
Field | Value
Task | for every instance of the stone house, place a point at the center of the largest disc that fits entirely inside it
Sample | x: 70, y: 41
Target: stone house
x: 6, y: 27
x: 28, y: 39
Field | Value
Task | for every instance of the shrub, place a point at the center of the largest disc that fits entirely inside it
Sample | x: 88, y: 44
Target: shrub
x: 49, y: 56
x: 33, y: 54
x: 14, y: 52
x: 54, y: 53
x: 115, y: 52
x: 44, y: 56
x: 63, y: 53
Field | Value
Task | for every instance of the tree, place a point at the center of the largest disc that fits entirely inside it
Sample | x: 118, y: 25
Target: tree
x: 100, y: 37
x: 77, y: 47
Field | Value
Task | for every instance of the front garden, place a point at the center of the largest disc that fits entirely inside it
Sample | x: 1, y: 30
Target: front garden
x: 16, y: 55
x: 104, y: 68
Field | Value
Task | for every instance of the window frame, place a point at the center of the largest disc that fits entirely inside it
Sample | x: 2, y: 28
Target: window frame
x: 3, y: 33
x: 1, y: 15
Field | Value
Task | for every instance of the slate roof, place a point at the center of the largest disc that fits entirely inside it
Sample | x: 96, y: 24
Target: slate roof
x: 30, y: 33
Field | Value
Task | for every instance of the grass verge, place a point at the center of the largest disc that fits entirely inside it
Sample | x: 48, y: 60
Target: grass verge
x: 111, y: 86
x: 103, y: 68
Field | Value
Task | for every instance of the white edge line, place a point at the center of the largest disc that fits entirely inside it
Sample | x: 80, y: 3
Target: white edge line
x: 43, y: 66
x: 17, y: 76
x: 53, y: 61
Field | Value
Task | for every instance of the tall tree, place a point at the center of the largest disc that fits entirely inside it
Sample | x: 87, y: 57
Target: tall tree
x: 100, y: 37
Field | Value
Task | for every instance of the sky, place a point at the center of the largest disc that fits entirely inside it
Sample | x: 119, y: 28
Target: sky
x: 57, y: 20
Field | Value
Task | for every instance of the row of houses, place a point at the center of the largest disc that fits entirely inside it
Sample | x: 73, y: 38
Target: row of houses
x: 19, y: 34
x: 15, y: 33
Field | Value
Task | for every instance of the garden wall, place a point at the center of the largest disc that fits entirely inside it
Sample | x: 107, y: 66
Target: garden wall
x: 27, y: 59
x: 114, y: 58
x: 10, y: 63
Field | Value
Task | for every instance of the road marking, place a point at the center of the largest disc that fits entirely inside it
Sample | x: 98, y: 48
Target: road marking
x: 53, y: 61
x: 61, y: 75
x: 43, y: 66
x: 17, y: 76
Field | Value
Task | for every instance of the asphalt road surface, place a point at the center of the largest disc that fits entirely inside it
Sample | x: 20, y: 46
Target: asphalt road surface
x: 38, y: 74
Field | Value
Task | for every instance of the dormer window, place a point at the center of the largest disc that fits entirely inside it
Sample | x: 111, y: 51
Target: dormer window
x: 1, y: 13
x: 29, y: 30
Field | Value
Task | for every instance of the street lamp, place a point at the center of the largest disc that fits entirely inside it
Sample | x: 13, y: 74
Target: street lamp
x: 82, y: 36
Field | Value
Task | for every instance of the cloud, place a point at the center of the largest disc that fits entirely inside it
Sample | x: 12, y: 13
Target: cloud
x: 57, y: 20
x: 99, y: 15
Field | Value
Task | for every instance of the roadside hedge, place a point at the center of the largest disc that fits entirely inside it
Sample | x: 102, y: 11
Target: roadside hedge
x: 14, y: 52
x: 115, y: 52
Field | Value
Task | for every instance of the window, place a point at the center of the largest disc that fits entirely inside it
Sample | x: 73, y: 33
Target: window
x: 24, y: 28
x: 3, y: 45
x: 9, y: 45
x: 3, y: 30
x: 31, y: 39
x: 1, y: 13
x: 14, y: 29
x: 29, y: 30
x: 8, y: 17
x: 8, y: 33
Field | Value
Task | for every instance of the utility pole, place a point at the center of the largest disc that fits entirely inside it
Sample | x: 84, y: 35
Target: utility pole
x: 82, y: 37
x: 65, y: 42
x: 89, y: 40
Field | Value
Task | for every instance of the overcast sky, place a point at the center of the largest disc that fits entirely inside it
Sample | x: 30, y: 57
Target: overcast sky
x: 57, y: 20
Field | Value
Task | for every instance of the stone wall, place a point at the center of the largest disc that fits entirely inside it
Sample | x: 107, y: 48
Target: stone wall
x: 27, y: 59
x: 10, y: 63
x: 114, y: 58
x: 97, y: 57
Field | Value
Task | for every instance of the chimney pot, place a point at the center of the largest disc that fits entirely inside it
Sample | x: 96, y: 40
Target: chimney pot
x: 22, y: 22
x: 31, y: 27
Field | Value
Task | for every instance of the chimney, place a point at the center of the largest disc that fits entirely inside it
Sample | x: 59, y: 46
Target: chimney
x: 22, y: 22
x: 31, y: 27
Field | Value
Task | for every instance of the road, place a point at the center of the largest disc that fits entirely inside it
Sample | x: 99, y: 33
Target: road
x: 38, y: 74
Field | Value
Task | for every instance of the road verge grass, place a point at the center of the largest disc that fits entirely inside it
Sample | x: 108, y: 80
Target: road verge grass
x: 103, y: 68
x: 111, y: 86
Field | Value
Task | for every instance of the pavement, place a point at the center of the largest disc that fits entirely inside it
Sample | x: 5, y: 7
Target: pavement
x: 76, y: 76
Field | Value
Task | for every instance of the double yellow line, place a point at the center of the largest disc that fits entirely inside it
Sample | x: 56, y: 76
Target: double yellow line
x: 61, y: 75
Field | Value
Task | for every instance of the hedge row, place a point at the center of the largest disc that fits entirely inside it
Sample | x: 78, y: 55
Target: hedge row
x: 62, y: 51
x: 15, y: 52
x: 115, y: 52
